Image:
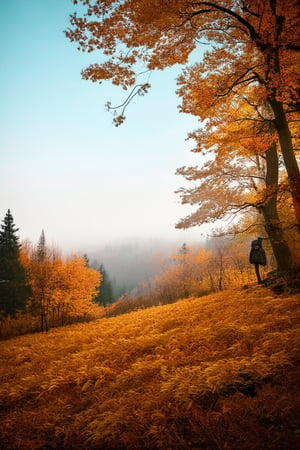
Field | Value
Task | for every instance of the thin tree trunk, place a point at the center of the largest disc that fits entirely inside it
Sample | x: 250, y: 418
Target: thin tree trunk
x: 42, y: 321
x: 212, y: 283
x: 221, y: 271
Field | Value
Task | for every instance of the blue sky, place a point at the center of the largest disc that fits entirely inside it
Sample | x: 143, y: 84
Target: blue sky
x: 65, y: 168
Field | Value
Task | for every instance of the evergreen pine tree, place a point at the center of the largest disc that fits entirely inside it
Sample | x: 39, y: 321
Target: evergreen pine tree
x: 14, y: 290
x: 105, y: 294
x: 41, y: 251
x: 87, y: 260
x: 184, y: 249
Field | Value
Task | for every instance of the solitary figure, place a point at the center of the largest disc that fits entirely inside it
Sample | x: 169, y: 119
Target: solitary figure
x: 257, y: 256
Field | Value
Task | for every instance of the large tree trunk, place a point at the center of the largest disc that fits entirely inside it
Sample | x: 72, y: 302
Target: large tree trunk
x: 272, y: 224
x: 284, y: 134
x: 288, y: 154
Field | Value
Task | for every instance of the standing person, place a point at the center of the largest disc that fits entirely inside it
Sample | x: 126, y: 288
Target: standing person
x: 257, y: 256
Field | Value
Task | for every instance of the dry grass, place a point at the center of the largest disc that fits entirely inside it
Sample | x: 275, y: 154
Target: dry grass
x: 217, y: 372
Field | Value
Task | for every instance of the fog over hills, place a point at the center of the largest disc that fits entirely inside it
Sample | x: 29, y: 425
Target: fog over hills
x: 132, y: 261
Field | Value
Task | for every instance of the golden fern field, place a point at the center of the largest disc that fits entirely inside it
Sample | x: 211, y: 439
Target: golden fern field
x: 217, y: 372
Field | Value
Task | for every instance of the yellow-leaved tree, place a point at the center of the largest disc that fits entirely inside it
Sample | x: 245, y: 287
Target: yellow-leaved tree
x: 239, y: 138
x: 155, y: 34
x: 62, y: 290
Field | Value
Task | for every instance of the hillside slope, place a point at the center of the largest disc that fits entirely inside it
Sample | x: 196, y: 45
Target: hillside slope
x: 218, y: 372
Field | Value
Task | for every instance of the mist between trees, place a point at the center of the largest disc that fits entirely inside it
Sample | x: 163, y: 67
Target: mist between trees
x: 40, y: 289
x: 131, y: 262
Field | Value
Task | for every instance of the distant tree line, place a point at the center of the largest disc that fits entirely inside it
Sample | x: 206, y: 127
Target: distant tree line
x: 195, y: 271
x: 104, y: 294
x: 40, y: 290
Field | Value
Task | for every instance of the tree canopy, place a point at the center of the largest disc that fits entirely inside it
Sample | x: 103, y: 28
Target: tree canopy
x: 255, y: 48
x: 62, y: 290
x: 155, y: 34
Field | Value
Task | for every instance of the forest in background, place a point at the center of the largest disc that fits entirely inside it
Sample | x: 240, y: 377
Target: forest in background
x: 40, y: 289
x: 129, y: 263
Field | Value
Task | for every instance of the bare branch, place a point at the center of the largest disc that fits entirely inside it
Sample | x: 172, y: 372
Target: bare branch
x: 139, y: 89
x: 230, y: 13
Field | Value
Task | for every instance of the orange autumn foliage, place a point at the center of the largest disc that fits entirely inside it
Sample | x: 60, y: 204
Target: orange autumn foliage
x: 195, y: 272
x: 236, y: 133
x: 238, y: 137
x: 61, y: 290
x: 258, y: 39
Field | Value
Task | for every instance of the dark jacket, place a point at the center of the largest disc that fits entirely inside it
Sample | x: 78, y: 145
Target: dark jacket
x: 257, y: 255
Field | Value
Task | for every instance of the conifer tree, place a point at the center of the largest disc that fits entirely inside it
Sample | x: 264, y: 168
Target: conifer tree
x: 41, y: 251
x: 105, y: 294
x: 184, y: 249
x: 87, y: 260
x: 14, y: 289
x: 41, y: 270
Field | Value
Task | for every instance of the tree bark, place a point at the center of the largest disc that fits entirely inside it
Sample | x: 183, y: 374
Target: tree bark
x: 272, y: 223
x: 288, y: 154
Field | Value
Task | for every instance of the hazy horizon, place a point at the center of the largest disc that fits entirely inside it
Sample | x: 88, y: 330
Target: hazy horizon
x: 65, y: 168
